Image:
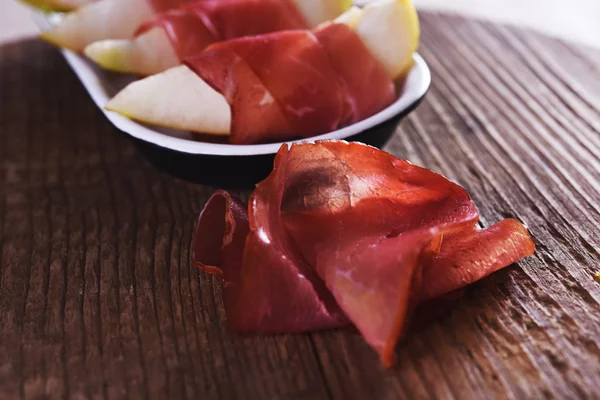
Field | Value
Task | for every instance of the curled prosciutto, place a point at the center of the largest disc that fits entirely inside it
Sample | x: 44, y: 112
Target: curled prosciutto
x: 344, y: 233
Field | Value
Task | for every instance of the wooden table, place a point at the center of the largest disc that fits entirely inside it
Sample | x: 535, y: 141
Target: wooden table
x: 98, y: 300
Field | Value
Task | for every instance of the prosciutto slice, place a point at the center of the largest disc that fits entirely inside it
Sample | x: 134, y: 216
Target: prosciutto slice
x: 319, y: 81
x: 255, y: 114
x: 192, y: 27
x: 164, y: 5
x: 344, y: 233
x: 367, y: 88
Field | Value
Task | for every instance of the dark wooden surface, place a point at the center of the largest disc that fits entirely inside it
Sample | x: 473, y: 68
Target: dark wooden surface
x: 98, y: 300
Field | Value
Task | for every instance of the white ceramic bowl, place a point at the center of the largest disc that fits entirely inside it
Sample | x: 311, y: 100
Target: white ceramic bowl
x: 102, y: 85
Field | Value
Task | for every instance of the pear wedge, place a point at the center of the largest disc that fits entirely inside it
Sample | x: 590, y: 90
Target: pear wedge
x: 316, y: 12
x: 350, y: 17
x: 390, y: 30
x: 178, y: 98
x: 148, y: 54
x: 57, y: 5
x: 104, y: 19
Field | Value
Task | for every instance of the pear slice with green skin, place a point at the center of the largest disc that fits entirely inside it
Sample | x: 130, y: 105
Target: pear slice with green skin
x: 140, y: 55
x: 148, y: 54
x: 56, y: 5
x: 350, y: 17
x: 316, y: 12
x: 390, y: 29
x: 167, y: 110
x: 104, y: 19
x: 180, y: 99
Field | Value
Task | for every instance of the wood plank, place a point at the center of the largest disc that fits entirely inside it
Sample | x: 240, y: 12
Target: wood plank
x: 98, y: 299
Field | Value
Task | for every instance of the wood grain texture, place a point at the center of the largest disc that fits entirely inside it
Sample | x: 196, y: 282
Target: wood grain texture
x: 98, y: 299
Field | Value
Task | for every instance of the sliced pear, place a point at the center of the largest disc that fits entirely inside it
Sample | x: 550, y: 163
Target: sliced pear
x: 350, y: 17
x: 179, y: 99
x: 57, y: 5
x: 176, y: 98
x: 104, y: 19
x: 148, y: 54
x: 390, y: 30
x: 316, y: 12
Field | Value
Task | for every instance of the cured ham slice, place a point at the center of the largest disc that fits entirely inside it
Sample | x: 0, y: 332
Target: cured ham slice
x: 367, y: 86
x: 236, y: 18
x: 194, y: 26
x: 267, y: 285
x: 344, y: 232
x: 255, y: 114
x: 164, y: 5
x: 296, y: 78
x: 470, y: 254
x: 319, y: 81
x: 186, y: 31
x: 297, y: 71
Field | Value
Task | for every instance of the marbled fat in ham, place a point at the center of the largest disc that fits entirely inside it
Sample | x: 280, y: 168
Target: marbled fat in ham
x: 194, y: 26
x: 344, y: 232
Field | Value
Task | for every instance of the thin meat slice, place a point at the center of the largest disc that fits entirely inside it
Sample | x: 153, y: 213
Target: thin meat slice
x: 345, y: 192
x: 194, y: 26
x: 376, y: 281
x: 220, y: 236
x: 471, y: 254
x: 256, y: 117
x: 186, y: 31
x: 296, y: 70
x: 351, y: 209
x: 280, y: 86
x: 343, y: 230
x: 319, y: 82
x: 267, y: 285
x: 232, y: 19
x: 367, y: 85
x: 164, y: 5
x: 370, y: 224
